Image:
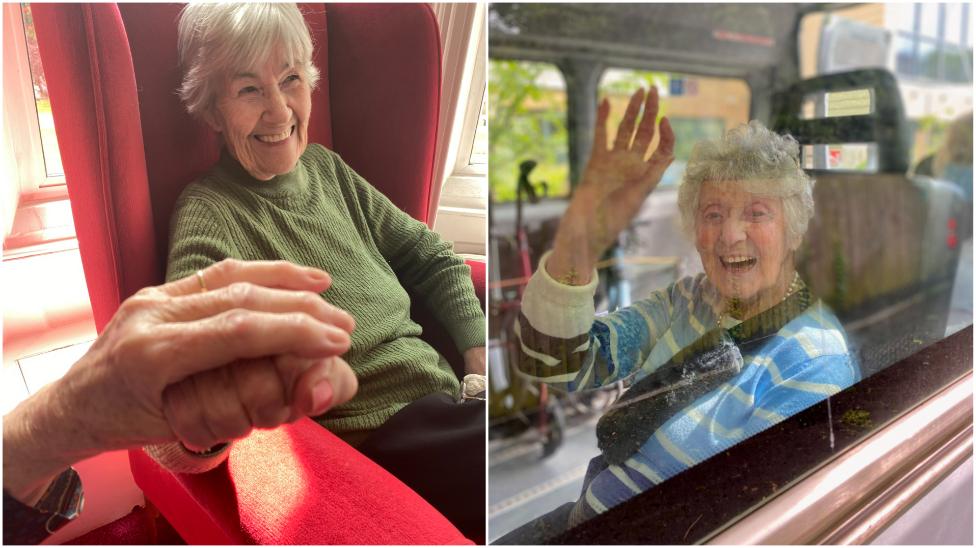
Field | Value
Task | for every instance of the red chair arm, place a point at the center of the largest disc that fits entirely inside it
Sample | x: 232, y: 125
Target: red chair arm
x: 298, y: 484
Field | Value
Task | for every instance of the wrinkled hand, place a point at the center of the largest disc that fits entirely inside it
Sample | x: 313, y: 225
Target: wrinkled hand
x: 615, y: 183
x: 225, y: 404
x: 116, y: 395
x: 474, y: 360
x: 164, y: 335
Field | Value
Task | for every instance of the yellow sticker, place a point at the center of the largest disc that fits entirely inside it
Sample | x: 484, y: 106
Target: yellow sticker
x: 849, y: 103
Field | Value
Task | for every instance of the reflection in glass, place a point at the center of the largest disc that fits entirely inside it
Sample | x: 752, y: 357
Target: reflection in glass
x: 905, y: 56
x: 928, y: 60
x: 527, y: 101
x: 958, y: 64
x: 841, y: 157
x: 698, y: 107
x: 712, y: 359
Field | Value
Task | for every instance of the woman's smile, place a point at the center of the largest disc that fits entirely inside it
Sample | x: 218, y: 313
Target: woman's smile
x: 738, y: 264
x: 741, y: 238
x: 276, y: 139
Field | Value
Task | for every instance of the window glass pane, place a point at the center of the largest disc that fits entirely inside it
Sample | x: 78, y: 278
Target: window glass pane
x: 527, y: 116
x: 966, y: 23
x: 953, y: 23
x: 906, y: 61
x: 49, y: 141
x: 604, y: 389
x: 698, y: 107
x: 930, y: 19
x: 958, y: 67
x: 900, y: 16
x: 928, y: 59
x: 841, y: 157
x: 934, y: 88
x: 479, y: 148
x: 653, y: 251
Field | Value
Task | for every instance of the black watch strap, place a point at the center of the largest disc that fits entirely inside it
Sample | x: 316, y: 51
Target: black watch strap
x: 61, y: 502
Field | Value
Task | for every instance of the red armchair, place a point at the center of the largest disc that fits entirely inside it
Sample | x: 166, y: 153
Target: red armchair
x: 128, y: 149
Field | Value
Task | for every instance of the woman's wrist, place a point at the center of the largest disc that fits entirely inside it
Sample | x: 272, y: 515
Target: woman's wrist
x: 574, y: 256
x: 39, y: 443
x: 567, y: 269
x: 571, y: 261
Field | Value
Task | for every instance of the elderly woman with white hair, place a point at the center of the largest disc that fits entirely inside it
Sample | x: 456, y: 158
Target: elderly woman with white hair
x: 249, y: 75
x: 713, y: 358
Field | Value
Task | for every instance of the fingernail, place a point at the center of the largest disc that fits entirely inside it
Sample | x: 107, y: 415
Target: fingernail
x: 338, y: 336
x: 318, y: 274
x: 321, y: 396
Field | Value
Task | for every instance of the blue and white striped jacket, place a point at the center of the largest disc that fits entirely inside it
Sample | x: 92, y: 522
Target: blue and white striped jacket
x: 565, y: 345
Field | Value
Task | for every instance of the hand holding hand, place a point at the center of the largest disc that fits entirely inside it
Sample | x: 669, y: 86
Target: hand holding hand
x: 113, y: 398
x: 615, y: 183
x: 225, y: 404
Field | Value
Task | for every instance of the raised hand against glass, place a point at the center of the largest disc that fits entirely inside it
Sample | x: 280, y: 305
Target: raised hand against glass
x: 615, y: 183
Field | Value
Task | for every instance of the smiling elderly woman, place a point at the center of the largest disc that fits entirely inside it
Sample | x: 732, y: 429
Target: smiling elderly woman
x: 714, y: 358
x: 248, y: 74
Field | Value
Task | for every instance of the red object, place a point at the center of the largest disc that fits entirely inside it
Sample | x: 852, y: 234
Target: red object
x: 142, y: 525
x: 136, y: 527
x: 835, y: 154
x: 129, y: 148
x: 297, y: 484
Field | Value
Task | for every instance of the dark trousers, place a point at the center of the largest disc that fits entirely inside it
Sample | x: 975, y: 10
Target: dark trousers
x: 437, y: 447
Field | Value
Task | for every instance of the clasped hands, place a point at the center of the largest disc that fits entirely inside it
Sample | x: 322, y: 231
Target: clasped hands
x: 280, y: 341
x: 260, y: 348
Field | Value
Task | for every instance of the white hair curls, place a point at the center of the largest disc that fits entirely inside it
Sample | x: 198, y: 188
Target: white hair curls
x: 759, y: 160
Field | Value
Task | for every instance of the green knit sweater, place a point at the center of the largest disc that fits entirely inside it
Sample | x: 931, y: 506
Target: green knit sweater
x: 323, y: 214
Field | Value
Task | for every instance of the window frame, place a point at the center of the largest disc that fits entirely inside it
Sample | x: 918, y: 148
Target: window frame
x: 916, y: 37
x: 461, y: 211
x: 464, y: 38
x: 35, y: 184
x: 713, y: 502
x: 472, y: 116
x: 549, y: 198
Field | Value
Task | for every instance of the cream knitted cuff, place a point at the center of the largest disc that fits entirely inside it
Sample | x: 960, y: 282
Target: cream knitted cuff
x: 175, y: 458
x: 556, y: 309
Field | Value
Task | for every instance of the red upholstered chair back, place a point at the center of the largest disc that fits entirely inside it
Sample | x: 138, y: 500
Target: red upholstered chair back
x: 96, y: 115
x: 376, y: 105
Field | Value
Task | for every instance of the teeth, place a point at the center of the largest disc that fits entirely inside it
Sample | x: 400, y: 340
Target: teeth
x: 737, y: 259
x: 274, y: 138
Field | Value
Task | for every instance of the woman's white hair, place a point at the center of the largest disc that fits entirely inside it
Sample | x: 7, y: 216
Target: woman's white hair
x: 221, y: 39
x: 758, y: 160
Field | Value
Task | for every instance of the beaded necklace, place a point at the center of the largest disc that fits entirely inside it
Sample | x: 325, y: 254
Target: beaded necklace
x: 734, y: 304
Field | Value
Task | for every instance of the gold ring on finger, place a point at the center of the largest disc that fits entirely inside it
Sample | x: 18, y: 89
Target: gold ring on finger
x: 203, y: 284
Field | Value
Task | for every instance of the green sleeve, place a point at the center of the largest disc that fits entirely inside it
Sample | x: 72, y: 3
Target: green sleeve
x: 198, y: 237
x: 424, y: 264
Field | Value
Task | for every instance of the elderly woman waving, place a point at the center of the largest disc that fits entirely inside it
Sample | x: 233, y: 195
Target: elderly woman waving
x: 713, y: 358
x: 248, y: 74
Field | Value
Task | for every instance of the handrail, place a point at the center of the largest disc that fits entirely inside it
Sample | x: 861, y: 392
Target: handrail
x: 854, y: 497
